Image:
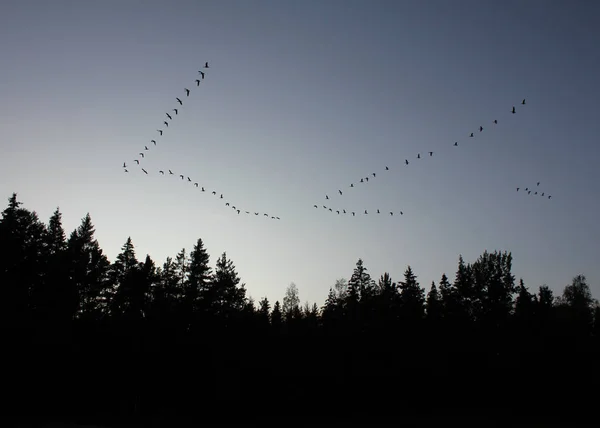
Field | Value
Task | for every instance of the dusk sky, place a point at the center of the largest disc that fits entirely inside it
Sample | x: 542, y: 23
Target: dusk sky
x: 303, y: 98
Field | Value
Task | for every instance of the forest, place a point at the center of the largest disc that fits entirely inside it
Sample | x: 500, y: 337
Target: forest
x: 88, y: 340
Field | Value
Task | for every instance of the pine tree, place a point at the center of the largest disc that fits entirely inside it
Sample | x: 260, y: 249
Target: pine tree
x: 88, y: 270
x: 434, y: 304
x: 465, y: 290
x: 227, y: 296
x: 199, y: 276
x: 276, y: 317
x: 412, y: 297
x: 264, y: 312
x: 124, y: 278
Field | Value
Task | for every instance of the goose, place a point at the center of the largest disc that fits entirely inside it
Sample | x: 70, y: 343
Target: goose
x: 162, y: 172
x: 126, y: 171
x: 166, y: 123
x: 179, y: 101
x: 176, y: 111
x: 187, y: 92
x: 197, y: 82
x: 153, y: 141
x: 386, y: 168
x: 406, y: 161
x: 206, y: 65
x: 145, y: 172
x: 513, y: 110
x: 430, y: 154
x: 456, y: 143
x: 523, y: 102
x: 170, y: 172
x: 196, y: 184
x: 160, y: 131
x: 138, y: 162
x: 340, y: 191
x: 182, y: 177
x: 141, y: 154
x: 124, y: 165
x: 169, y: 116
x: 202, y: 73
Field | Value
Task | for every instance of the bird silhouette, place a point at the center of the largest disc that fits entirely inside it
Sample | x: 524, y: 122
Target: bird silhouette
x: 535, y: 193
x: 247, y: 212
x: 202, y: 73
x: 266, y: 215
x: 480, y: 128
x: 538, y: 183
x: 523, y: 102
x: 176, y: 111
x: 170, y: 172
x: 330, y: 210
x: 206, y: 65
x: 141, y: 154
x: 362, y: 180
x: 326, y: 197
x: 340, y: 191
x: 367, y: 178
x: 182, y: 177
x: 256, y: 213
x: 352, y: 185
x: 179, y: 101
x: 353, y: 213
x: 162, y: 172
x: 203, y: 189
x: 153, y: 141
x: 366, y: 212
x: 418, y: 155
x: 542, y: 193
x: 401, y: 213
x: 145, y: 172
x: 160, y: 131
x: 233, y: 206
x: 221, y: 196
x: 197, y: 82
x: 406, y: 161
x: 391, y: 213
x: 187, y: 92
x: 456, y: 143
x: 196, y: 184
x: 169, y: 116
x: 138, y: 162
x: 337, y: 212
x: 226, y: 204
x: 238, y: 211
x: 374, y: 175
x: 430, y: 153
x: 214, y: 193
x: 189, y: 179
x: 495, y: 122
x: 549, y: 196
x: 471, y: 135
x: 166, y: 123
x: 146, y: 148
x: 513, y: 110
x: 529, y: 193
x: 386, y: 168
x: 315, y: 206
x: 518, y: 189
x: 126, y: 171
x: 124, y: 165
x: 378, y: 212
x: 344, y: 211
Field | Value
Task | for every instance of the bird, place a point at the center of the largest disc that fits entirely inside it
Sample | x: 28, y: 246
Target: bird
x: 378, y: 212
x: 374, y: 175
x: 535, y: 193
x: 391, y: 213
x: 162, y: 172
x: 538, y: 183
x: 182, y: 177
x: 187, y: 92
x: 456, y: 143
x: 153, y: 141
x: 406, y: 161
x: 202, y: 73
x: 277, y: 218
x: 233, y: 207
x: 238, y: 211
x: 344, y: 211
x: 203, y: 189
x: 226, y: 204
x: 170, y: 172
x: 160, y: 131
x: 338, y: 211
x: 513, y: 110
x: 166, y: 123
x: 495, y: 122
x: 542, y: 193
x: 352, y: 185
x: 326, y: 197
x: 518, y: 189
x: 523, y: 102
x: 480, y: 128
x: 197, y: 82
x: 126, y: 171
x: 189, y: 179
x: 549, y: 196
x: 401, y: 213
x: 179, y: 101
x: 330, y: 210
x: 366, y: 212
x: 256, y: 213
x: 247, y: 212
x: 418, y: 155
x: 176, y: 111
x: 221, y: 196
x: 362, y: 180
x: 367, y: 178
x: 169, y: 116
x: 266, y: 215
x: 196, y: 184
x: 315, y: 206
x: 124, y: 165
x: 138, y: 162
x: 141, y: 154
x: 214, y: 193
x: 324, y: 207
x: 146, y: 148
x: 145, y: 172
x: 529, y: 193
x: 471, y: 135
x: 340, y: 191
x: 386, y: 168
x: 206, y: 65
x: 430, y: 153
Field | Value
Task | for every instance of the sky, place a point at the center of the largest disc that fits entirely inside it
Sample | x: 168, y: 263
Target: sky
x: 301, y: 99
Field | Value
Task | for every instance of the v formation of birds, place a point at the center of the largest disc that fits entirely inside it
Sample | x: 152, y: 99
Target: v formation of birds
x: 363, y: 181
x: 170, y: 115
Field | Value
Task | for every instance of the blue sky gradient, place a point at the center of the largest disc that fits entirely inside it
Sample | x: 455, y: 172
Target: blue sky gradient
x: 301, y: 99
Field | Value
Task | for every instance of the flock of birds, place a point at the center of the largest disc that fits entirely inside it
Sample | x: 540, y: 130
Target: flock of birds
x: 365, y: 179
x: 170, y: 115
x: 339, y: 211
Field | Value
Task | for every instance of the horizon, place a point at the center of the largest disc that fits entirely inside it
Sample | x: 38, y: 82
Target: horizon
x: 288, y: 113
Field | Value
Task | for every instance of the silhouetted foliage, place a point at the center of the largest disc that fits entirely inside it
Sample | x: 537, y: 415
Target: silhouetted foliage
x: 180, y: 337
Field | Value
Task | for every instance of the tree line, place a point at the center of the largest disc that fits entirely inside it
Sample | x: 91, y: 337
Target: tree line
x: 141, y: 322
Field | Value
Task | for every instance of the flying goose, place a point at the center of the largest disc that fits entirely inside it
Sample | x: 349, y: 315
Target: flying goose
x: 169, y: 116
x: 187, y: 92
x: 179, y: 101
x: 145, y: 172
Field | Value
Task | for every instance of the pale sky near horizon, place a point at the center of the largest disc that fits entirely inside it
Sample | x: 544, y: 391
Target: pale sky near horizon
x: 301, y: 99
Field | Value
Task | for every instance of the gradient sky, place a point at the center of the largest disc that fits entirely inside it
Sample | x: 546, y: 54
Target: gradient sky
x: 301, y: 99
